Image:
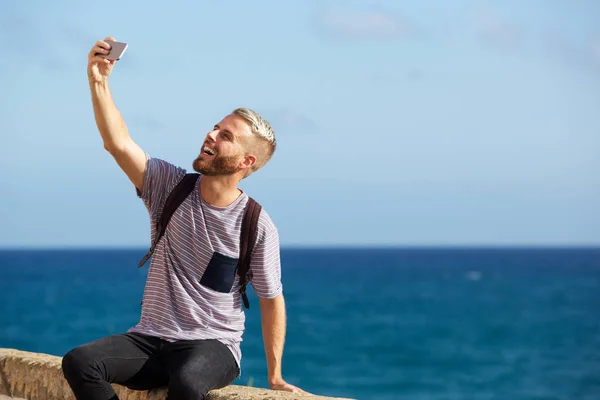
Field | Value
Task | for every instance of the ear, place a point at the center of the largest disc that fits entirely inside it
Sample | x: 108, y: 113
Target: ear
x: 248, y: 161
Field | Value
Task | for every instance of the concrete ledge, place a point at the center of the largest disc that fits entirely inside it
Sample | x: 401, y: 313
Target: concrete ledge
x: 36, y: 376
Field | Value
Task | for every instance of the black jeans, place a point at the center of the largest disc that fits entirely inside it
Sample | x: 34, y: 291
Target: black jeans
x: 189, y: 368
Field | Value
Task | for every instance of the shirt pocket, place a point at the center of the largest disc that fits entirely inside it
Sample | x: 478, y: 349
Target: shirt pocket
x: 220, y: 273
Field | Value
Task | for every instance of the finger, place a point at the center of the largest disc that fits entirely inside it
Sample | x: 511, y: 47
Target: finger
x: 109, y: 39
x: 103, y: 44
x: 99, y: 50
x: 298, y: 390
x: 94, y: 54
x: 101, y: 60
x: 291, y: 388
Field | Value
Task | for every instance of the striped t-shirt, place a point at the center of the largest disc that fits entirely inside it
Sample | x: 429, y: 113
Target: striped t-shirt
x: 192, y: 289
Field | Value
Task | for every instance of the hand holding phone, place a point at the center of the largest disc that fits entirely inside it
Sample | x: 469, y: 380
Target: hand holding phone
x: 117, y: 49
x: 102, y: 58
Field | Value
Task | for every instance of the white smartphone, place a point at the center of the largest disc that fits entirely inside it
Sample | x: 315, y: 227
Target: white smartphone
x: 117, y: 49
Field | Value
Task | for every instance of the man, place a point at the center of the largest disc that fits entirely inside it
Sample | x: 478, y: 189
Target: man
x: 188, y: 337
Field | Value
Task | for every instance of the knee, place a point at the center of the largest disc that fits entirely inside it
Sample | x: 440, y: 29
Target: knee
x: 76, y: 363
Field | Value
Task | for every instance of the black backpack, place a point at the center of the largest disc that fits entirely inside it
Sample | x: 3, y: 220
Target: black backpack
x: 247, y: 236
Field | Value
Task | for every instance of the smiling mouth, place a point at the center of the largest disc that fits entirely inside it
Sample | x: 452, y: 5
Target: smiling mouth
x: 208, y: 151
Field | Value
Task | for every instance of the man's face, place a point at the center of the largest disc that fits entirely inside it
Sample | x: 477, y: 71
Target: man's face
x: 222, y: 152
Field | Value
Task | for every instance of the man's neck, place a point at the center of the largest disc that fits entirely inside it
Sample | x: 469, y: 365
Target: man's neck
x: 219, y: 191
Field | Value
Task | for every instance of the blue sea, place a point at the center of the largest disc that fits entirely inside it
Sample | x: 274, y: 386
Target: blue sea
x: 407, y: 323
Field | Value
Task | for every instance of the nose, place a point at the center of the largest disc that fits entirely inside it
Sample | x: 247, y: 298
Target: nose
x: 212, y: 135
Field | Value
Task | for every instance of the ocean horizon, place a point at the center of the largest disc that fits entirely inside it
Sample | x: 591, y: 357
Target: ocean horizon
x: 367, y: 322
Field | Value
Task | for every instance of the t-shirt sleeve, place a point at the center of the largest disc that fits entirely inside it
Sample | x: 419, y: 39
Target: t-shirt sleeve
x: 160, y: 178
x: 265, y: 266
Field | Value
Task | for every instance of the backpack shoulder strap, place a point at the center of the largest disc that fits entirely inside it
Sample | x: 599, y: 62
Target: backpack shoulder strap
x: 248, y: 236
x: 179, y: 193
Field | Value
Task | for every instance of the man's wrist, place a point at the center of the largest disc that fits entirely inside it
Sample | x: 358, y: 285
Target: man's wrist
x: 98, y: 84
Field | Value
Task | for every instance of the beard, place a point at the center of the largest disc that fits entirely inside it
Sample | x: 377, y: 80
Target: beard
x: 219, y: 165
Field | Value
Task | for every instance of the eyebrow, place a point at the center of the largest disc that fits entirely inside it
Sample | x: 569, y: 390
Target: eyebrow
x: 226, y: 131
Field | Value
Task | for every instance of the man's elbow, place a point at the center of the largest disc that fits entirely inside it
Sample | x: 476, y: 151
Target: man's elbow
x: 107, y: 147
x: 112, y: 148
x: 116, y: 149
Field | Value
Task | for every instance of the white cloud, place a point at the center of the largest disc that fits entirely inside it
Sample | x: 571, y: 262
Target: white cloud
x: 496, y: 30
x: 364, y: 25
x: 286, y: 120
x: 579, y: 54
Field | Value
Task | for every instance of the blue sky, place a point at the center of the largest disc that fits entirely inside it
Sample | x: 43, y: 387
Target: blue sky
x: 398, y: 123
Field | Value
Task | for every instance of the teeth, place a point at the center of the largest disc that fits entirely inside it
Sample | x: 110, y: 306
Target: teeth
x: 209, y: 151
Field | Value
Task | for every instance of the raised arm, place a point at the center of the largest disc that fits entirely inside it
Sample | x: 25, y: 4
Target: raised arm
x: 130, y: 157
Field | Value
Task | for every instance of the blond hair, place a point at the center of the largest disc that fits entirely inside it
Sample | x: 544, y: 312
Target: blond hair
x: 263, y: 132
